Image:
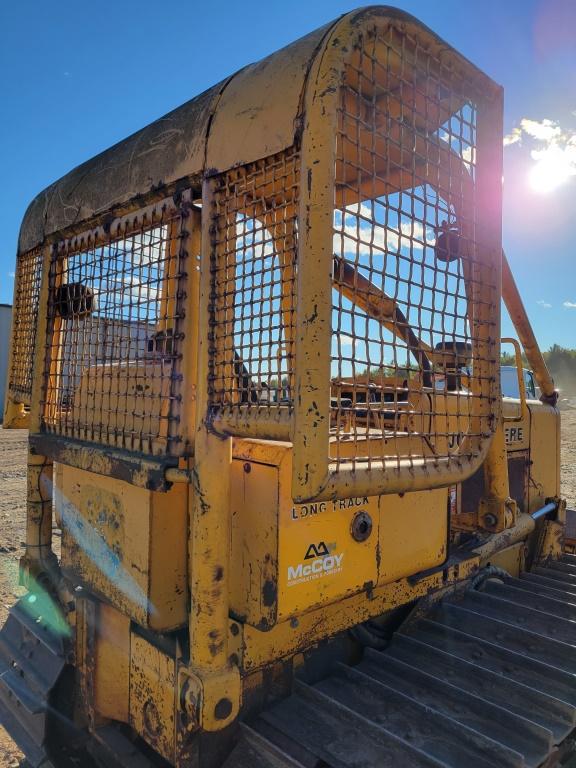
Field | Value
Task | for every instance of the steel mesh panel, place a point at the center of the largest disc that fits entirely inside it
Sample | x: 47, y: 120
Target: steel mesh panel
x: 24, y: 320
x: 114, y: 339
x: 253, y: 285
x: 413, y: 301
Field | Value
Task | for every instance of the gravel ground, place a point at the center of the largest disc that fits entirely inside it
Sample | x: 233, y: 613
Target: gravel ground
x: 568, y: 466
x: 12, y: 520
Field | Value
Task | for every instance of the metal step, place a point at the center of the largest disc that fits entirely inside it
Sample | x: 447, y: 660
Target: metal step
x: 487, y: 679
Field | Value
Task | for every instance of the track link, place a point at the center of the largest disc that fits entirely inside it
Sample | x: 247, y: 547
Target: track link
x: 487, y: 680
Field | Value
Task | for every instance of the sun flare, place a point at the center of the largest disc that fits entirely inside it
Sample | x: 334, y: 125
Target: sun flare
x: 550, y: 171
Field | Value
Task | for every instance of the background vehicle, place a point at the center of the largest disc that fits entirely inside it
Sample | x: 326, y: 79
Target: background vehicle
x: 281, y: 543
x: 509, y: 382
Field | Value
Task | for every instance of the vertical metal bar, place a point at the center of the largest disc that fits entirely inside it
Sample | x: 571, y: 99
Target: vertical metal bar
x: 496, y: 500
x: 311, y: 426
x: 496, y: 497
x: 10, y: 408
x: 209, y: 544
x: 53, y: 346
x: 38, y: 556
x: 488, y: 204
x: 169, y: 280
x: 192, y: 243
x: 519, y: 317
x: 524, y: 413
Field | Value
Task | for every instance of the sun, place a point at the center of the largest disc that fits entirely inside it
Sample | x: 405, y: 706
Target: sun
x: 551, y: 169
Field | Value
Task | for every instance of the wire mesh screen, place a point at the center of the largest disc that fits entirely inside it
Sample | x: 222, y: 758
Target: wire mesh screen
x: 410, y: 363
x: 114, y: 334
x: 24, y: 322
x: 253, y: 279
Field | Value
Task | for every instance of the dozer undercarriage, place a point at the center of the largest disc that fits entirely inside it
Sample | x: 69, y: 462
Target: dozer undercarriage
x: 484, y: 677
x: 257, y: 348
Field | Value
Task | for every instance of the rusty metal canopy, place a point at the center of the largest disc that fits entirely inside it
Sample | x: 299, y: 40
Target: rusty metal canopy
x: 253, y: 114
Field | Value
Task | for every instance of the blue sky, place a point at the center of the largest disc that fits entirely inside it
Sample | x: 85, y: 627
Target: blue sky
x: 77, y: 77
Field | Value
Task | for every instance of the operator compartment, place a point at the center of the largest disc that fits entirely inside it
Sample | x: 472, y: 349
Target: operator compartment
x: 354, y: 354
x: 337, y: 330
x: 112, y: 412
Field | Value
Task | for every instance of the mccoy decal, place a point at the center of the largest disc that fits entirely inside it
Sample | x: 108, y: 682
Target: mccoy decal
x: 320, y: 560
x: 316, y: 551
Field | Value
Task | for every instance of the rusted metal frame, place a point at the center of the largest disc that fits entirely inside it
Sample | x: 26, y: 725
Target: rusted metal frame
x: 169, y: 210
x: 401, y: 475
x: 519, y: 531
x: 10, y: 397
x: 497, y: 510
x: 311, y: 475
x: 87, y: 620
x: 191, y: 243
x: 258, y: 649
x: 519, y: 317
x: 10, y: 405
x: 125, y: 210
x: 209, y: 687
x: 102, y: 232
x: 53, y: 341
x: 254, y: 421
x: 180, y: 302
x: 39, y: 561
x: 210, y: 508
x: 524, y: 412
x: 24, y: 321
x: 134, y: 468
x: 487, y: 264
x: 311, y: 425
x: 13, y: 407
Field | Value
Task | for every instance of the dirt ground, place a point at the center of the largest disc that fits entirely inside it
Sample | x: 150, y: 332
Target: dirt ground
x: 12, y: 519
x: 568, y: 466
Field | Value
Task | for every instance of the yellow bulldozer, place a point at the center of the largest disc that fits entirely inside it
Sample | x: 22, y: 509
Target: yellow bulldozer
x: 257, y: 348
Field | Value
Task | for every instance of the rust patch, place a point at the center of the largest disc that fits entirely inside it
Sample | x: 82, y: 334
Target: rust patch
x: 269, y: 593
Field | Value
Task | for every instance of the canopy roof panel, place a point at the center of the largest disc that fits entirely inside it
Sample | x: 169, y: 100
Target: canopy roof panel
x: 253, y: 114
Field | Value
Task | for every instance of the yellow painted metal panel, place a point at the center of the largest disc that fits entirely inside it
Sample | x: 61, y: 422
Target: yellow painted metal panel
x: 153, y: 692
x: 544, y: 454
x: 254, y: 554
x: 108, y: 528
x: 289, y: 558
x: 257, y: 112
x: 257, y: 649
x: 413, y: 533
x: 112, y: 664
x: 168, y: 587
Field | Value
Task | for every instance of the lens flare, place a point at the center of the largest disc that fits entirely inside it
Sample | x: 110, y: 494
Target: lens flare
x: 551, y: 170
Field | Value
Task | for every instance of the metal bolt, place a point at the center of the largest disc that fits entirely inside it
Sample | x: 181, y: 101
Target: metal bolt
x: 361, y: 526
x: 490, y: 520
